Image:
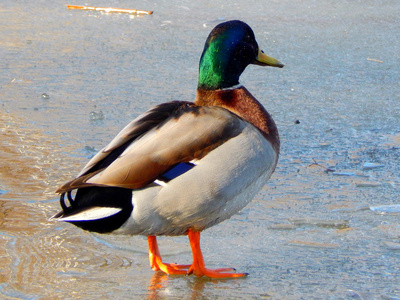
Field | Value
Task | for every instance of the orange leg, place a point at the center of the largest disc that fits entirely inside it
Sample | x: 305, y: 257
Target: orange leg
x: 198, y: 267
x: 156, y: 263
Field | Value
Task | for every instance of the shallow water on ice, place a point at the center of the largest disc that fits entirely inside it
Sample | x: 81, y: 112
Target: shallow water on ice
x: 71, y: 80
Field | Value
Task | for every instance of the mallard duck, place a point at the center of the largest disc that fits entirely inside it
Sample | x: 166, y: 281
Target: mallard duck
x: 182, y: 167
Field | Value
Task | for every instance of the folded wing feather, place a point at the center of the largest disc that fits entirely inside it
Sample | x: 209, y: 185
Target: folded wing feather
x: 157, y: 143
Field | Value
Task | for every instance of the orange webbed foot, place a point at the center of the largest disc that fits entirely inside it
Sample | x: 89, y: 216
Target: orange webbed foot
x: 198, y: 267
x: 215, y: 273
x: 157, y: 264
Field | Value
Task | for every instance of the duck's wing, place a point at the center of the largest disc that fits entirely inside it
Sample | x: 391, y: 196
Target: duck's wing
x: 132, y: 131
x: 160, y: 139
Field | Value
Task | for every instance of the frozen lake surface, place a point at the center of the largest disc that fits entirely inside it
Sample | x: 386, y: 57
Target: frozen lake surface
x: 327, y: 224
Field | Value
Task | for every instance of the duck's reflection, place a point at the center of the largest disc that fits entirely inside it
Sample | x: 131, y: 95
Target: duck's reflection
x: 157, y: 282
x: 160, y: 281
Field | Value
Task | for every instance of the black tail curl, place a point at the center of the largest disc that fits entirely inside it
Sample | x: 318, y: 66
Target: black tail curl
x: 71, y: 201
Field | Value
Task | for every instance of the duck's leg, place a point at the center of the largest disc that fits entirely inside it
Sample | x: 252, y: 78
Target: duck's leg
x: 198, y: 267
x: 156, y: 263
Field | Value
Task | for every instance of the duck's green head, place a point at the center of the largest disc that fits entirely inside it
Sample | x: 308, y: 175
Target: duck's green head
x: 229, y: 49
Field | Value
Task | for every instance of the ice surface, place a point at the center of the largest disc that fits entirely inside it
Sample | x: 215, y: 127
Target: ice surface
x: 336, y: 103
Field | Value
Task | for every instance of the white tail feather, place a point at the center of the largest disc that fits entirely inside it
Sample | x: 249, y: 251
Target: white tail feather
x: 92, y: 213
